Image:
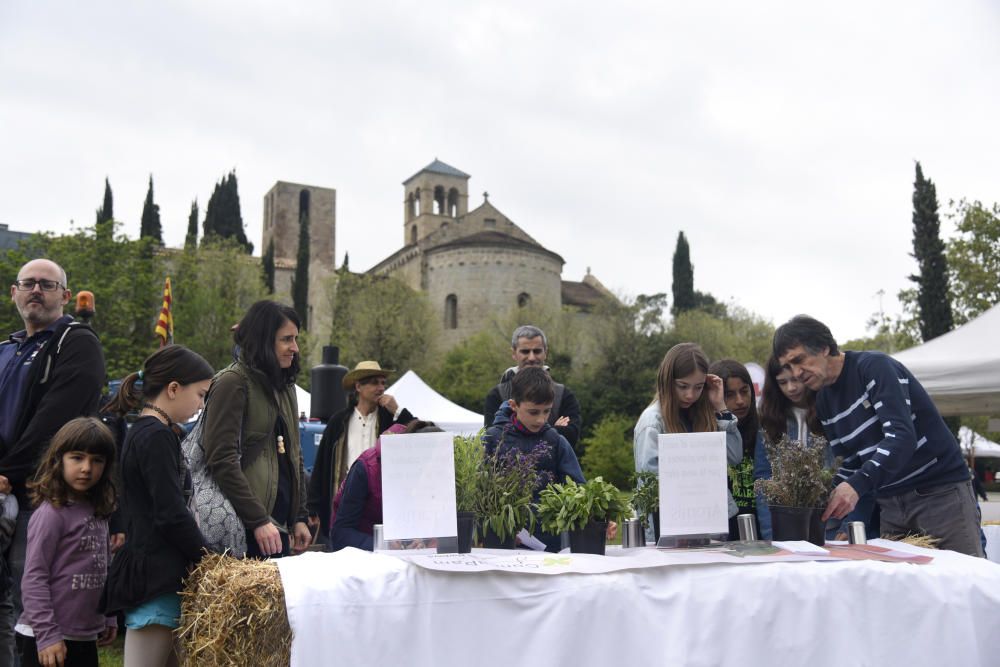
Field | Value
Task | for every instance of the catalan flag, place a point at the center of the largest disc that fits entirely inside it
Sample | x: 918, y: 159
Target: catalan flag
x: 165, y: 323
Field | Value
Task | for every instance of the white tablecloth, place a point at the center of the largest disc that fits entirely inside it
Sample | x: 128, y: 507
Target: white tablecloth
x: 992, y: 542
x: 358, y: 608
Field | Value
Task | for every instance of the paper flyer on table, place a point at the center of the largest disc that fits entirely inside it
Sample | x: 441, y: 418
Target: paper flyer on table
x: 693, y: 484
x: 418, y: 486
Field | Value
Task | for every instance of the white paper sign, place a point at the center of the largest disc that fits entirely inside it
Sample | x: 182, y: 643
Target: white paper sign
x: 693, y: 485
x: 418, y: 486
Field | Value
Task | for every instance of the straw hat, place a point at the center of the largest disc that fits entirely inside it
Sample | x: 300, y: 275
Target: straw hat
x: 364, y: 369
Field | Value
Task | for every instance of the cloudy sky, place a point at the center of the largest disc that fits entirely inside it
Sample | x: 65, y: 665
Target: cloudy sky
x: 779, y: 136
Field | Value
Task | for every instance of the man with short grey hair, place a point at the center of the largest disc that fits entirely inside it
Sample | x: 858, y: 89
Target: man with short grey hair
x: 529, y: 347
x: 50, y: 372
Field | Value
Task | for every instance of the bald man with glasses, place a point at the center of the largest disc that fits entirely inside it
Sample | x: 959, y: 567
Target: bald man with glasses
x: 50, y: 372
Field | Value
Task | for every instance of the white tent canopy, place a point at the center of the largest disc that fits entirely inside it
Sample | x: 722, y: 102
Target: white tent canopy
x: 415, y: 395
x: 976, y: 445
x: 961, y: 369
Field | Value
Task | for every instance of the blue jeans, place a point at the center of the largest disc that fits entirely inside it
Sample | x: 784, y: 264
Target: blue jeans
x: 10, y: 601
x: 948, y: 512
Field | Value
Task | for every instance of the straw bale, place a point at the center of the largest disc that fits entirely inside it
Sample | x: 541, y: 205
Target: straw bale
x: 233, y: 614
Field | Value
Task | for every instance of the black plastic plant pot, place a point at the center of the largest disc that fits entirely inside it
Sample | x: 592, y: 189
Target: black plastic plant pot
x: 466, y: 528
x: 492, y: 541
x: 790, y: 523
x: 590, y: 539
x: 817, y: 527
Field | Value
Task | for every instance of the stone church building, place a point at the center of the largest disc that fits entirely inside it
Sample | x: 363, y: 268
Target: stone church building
x: 474, y: 266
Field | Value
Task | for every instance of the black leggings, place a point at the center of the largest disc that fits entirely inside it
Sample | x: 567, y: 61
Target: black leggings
x: 78, y: 654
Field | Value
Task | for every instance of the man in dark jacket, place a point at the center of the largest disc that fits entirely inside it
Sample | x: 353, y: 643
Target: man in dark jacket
x: 529, y: 347
x: 349, y: 433
x: 50, y: 372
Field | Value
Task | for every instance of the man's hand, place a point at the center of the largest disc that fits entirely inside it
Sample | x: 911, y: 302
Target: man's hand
x: 5, y: 486
x: 117, y: 541
x: 53, y: 656
x: 562, y: 421
x: 716, y: 392
x: 268, y: 539
x: 612, y: 530
x: 108, y: 636
x: 388, y: 402
x: 301, y: 537
x: 842, y: 501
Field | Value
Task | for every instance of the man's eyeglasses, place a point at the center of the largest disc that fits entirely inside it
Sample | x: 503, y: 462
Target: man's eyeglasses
x: 29, y: 284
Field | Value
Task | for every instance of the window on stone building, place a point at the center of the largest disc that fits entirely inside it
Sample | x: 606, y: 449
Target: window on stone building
x: 416, y: 202
x: 439, y: 200
x: 413, y: 235
x: 453, y: 203
x: 490, y: 223
x: 411, y: 209
x: 523, y: 300
x: 451, y: 312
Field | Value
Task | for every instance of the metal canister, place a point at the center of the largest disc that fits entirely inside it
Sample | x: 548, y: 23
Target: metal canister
x: 378, y: 543
x: 747, y: 525
x: 632, y: 534
x: 856, y: 533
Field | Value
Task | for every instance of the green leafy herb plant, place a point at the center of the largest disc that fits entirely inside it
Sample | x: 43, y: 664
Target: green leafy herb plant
x: 570, y: 506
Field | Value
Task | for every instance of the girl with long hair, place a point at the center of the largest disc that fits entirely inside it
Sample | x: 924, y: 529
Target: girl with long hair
x: 251, y: 432
x: 163, y: 541
x: 741, y: 400
x: 688, y: 400
x: 68, y: 549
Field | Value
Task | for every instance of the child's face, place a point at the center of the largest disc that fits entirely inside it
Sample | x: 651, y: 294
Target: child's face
x: 687, y: 390
x: 81, y: 470
x: 187, y: 400
x: 738, y: 398
x: 532, y: 415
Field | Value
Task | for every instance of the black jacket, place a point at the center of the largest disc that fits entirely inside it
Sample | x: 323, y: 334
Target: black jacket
x: 330, y: 459
x: 162, y: 539
x: 64, y: 382
x: 568, y: 407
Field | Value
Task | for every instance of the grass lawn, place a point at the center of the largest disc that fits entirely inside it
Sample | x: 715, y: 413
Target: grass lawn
x: 114, y: 655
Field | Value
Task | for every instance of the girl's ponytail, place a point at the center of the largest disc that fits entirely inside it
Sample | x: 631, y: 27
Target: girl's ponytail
x: 128, y: 398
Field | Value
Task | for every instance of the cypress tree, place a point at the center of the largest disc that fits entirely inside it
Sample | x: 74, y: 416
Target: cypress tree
x: 150, y: 226
x: 191, y: 240
x: 222, y: 215
x: 268, y: 265
x: 683, y: 286
x: 933, y: 297
x: 300, y: 282
x: 104, y: 226
x: 106, y: 212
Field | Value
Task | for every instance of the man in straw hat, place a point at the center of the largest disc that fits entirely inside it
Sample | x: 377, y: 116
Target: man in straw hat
x: 349, y: 433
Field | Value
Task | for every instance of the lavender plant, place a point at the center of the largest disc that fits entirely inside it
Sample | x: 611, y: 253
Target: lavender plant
x: 510, y: 479
x: 800, y: 474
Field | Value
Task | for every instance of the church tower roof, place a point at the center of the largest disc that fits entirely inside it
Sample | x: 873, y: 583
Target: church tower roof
x: 439, y: 167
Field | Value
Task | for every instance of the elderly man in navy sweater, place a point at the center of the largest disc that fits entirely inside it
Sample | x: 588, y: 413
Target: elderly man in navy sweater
x: 891, y: 437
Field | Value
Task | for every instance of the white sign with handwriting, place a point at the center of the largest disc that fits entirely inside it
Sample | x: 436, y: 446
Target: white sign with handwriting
x: 693, y: 499
x: 418, y: 486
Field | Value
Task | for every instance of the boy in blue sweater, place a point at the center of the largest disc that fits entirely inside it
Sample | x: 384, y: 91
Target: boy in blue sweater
x: 522, y: 423
x: 892, y: 439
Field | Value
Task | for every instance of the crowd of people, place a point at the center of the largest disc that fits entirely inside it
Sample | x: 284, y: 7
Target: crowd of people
x: 97, y: 522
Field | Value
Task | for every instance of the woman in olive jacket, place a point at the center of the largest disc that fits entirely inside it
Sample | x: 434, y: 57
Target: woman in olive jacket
x: 251, y: 435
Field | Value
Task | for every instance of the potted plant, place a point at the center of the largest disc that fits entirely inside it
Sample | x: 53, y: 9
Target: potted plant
x: 468, y: 479
x: 646, y: 499
x: 507, y: 485
x: 799, y: 488
x: 584, y: 510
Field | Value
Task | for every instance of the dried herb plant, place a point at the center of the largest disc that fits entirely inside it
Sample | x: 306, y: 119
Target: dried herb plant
x: 800, y: 475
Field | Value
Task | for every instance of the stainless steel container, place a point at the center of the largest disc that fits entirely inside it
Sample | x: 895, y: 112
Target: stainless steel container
x: 378, y: 543
x: 632, y: 534
x: 747, y: 525
x: 856, y: 533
